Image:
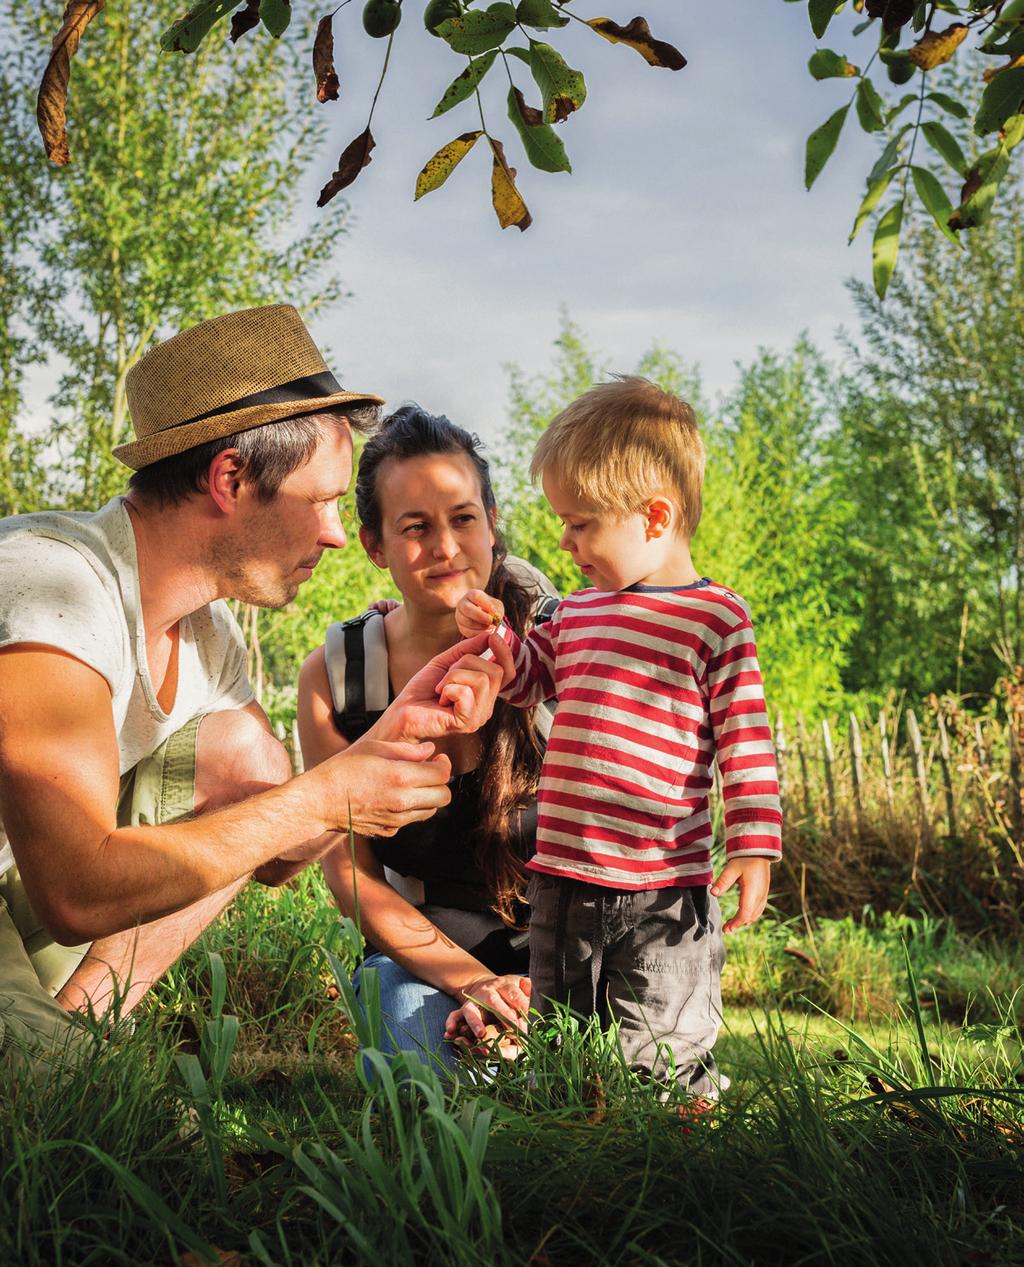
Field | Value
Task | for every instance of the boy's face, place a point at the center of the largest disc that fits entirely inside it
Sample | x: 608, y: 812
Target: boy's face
x: 612, y: 550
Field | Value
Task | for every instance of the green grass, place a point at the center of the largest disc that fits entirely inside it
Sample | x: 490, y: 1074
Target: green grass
x: 883, y: 1134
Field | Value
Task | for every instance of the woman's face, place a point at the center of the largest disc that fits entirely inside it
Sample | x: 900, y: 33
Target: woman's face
x: 436, y: 538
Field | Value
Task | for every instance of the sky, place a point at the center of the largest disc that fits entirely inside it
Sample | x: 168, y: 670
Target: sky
x: 685, y: 221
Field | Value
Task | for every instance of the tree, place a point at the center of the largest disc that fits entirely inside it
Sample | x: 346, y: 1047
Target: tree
x: 772, y: 513
x: 916, y: 123
x: 26, y: 301
x: 510, y: 35
x: 932, y: 445
x: 177, y: 211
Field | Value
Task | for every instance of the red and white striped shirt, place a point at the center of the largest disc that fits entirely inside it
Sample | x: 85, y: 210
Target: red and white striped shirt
x: 653, y: 685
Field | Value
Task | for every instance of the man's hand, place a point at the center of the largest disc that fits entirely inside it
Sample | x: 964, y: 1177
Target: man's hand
x: 472, y: 686
x: 477, y: 612
x: 754, y: 876
x: 376, y: 787
x: 503, y: 999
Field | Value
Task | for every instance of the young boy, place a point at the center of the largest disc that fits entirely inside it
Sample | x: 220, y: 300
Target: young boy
x: 656, y: 674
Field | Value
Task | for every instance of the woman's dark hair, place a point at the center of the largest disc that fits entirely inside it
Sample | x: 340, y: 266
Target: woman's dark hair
x: 511, y: 756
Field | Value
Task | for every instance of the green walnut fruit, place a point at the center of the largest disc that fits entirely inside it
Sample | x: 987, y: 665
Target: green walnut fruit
x: 438, y: 11
x: 381, y: 18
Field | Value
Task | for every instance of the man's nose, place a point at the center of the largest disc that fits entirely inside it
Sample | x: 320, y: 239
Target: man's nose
x: 332, y: 534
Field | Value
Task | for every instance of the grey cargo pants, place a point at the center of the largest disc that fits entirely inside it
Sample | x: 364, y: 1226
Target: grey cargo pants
x: 650, y: 959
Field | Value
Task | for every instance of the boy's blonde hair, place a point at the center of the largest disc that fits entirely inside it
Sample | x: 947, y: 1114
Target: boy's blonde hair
x: 622, y: 443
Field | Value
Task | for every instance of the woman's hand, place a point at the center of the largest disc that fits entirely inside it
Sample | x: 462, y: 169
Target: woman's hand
x: 477, y: 612
x: 504, y: 999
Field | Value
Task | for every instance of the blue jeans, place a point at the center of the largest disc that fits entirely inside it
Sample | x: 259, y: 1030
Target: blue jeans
x: 413, y: 1013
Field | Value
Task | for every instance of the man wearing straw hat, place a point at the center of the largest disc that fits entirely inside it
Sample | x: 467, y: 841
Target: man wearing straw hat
x: 140, y: 783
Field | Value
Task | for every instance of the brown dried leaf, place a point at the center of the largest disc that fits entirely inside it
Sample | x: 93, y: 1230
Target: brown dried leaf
x: 51, y: 105
x: 323, y: 61
x: 354, y: 157
x: 802, y: 955
x: 226, y: 1258
x: 508, y: 201
x: 244, y: 20
x: 532, y: 117
x: 637, y: 34
x: 894, y: 13
x: 936, y: 47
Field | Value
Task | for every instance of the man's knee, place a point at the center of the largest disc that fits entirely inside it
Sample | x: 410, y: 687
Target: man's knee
x: 236, y: 757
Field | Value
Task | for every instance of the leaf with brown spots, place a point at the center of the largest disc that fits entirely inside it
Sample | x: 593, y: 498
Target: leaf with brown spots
x: 937, y: 47
x: 562, y: 88
x: 531, y: 116
x: 327, y: 85
x: 637, y: 35
x: 508, y: 201
x: 354, y: 157
x: 51, y: 105
x: 438, y: 168
x: 244, y: 20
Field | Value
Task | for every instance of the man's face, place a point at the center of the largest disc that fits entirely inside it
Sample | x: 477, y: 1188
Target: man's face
x: 274, y: 546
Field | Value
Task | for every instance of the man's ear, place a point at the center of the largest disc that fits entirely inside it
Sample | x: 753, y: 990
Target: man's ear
x: 372, y: 547
x: 225, y: 480
x: 660, y: 516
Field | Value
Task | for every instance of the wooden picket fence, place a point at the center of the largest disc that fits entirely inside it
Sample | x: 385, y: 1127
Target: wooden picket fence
x: 907, y: 806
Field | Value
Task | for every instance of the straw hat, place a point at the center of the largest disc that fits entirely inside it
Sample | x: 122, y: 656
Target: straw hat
x: 227, y: 375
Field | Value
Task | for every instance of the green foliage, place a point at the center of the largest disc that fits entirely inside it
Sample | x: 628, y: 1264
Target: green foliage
x: 772, y: 517
x: 974, y: 32
x: 162, y: 221
x: 771, y: 514
x: 283, y: 1156
x: 929, y: 453
x: 477, y: 33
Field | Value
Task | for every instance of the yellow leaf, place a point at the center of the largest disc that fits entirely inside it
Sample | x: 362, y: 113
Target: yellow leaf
x: 508, y: 201
x: 937, y: 47
x: 637, y: 35
x: 444, y: 162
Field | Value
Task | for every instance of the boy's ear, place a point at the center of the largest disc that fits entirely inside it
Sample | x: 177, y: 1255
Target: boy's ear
x: 660, y: 517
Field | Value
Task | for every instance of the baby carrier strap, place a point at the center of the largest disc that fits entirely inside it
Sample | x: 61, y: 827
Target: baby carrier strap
x: 356, y: 656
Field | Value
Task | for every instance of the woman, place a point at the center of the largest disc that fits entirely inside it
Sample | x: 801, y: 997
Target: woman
x: 441, y: 902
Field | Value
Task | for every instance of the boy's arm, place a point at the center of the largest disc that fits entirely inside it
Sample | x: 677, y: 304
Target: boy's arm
x: 534, y: 661
x: 746, y: 762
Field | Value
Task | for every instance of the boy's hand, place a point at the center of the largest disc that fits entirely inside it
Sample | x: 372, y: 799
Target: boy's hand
x: 476, y: 613
x: 754, y: 876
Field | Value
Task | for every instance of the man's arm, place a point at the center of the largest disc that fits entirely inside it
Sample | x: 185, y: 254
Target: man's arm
x: 88, y: 878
